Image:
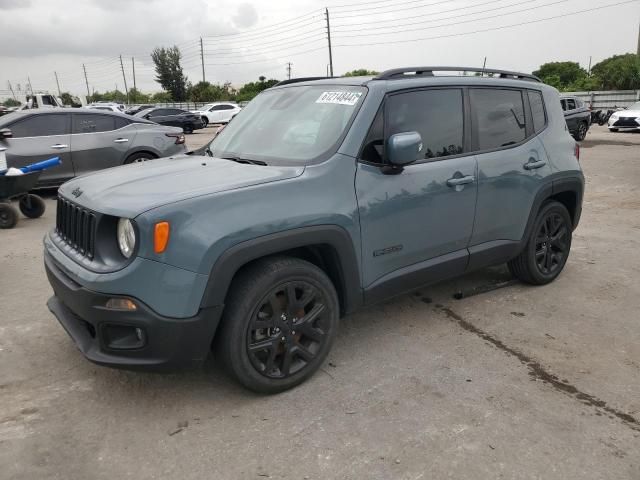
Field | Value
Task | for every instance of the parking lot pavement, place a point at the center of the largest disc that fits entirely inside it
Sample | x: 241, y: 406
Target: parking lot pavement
x: 200, y: 137
x: 509, y: 381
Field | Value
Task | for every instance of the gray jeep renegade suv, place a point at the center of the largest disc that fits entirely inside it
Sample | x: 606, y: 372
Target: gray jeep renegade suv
x: 321, y: 196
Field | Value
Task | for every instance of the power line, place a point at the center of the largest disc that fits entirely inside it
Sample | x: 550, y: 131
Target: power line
x: 456, y: 23
x: 430, y: 14
x: 388, y: 42
x: 261, y: 36
x: 358, y: 13
x: 284, y: 46
x: 267, y: 60
x: 296, y: 40
x: 388, y: 4
x: 262, y: 30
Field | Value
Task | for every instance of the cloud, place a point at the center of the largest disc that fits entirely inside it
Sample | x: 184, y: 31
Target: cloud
x: 14, y: 4
x: 246, y: 16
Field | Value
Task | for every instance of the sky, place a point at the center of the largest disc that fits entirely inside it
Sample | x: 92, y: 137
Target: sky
x: 245, y: 39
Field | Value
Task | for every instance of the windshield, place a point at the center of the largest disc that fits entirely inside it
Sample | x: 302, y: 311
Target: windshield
x: 292, y: 125
x: 142, y: 113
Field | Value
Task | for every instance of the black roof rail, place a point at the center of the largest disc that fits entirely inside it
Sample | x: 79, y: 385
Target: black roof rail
x: 410, y: 72
x: 299, y: 79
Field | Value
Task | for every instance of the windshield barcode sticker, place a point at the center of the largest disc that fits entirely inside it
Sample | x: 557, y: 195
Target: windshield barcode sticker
x: 340, y: 98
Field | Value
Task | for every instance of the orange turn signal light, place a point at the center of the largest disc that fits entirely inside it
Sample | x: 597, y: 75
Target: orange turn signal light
x: 161, y: 237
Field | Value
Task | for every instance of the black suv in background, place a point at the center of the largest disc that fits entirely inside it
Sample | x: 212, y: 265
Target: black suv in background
x: 173, y: 117
x: 577, y: 115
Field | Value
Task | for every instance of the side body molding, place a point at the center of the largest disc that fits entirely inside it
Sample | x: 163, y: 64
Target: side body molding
x: 336, y: 238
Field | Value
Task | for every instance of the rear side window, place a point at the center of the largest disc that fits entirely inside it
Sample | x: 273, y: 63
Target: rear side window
x: 571, y: 104
x: 41, y: 126
x: 121, y: 122
x: 93, y: 123
x: 437, y: 115
x: 498, y: 117
x: 537, y: 110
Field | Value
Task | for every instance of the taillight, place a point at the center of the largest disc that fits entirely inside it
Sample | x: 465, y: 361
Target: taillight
x: 576, y: 151
x: 178, y: 136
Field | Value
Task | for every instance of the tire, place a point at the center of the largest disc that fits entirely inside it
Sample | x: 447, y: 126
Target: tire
x: 187, y: 128
x: 32, y: 206
x: 257, y: 342
x: 613, y: 129
x: 139, y: 157
x: 8, y: 216
x: 581, y: 132
x: 205, y: 122
x: 547, y: 248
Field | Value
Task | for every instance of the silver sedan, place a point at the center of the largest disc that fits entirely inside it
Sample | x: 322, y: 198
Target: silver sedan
x: 85, y: 140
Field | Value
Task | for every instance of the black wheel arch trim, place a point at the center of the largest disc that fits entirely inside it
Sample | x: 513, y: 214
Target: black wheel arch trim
x: 233, y: 259
x: 572, y: 182
x: 142, y: 149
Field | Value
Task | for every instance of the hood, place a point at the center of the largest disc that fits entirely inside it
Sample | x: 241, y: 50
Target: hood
x: 627, y: 113
x: 130, y: 190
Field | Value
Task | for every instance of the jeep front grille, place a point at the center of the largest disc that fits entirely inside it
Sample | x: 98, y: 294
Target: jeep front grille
x: 76, y: 226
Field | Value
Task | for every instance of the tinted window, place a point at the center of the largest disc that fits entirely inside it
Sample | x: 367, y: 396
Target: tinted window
x: 437, y: 115
x: 498, y: 117
x: 227, y: 107
x: 93, y: 123
x: 215, y: 108
x: 537, y: 110
x: 173, y: 111
x: 157, y: 113
x: 40, y: 126
x: 563, y: 104
x: 121, y: 122
x: 571, y: 104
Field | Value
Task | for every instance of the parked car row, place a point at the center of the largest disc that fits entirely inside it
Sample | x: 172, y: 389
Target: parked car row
x: 85, y: 140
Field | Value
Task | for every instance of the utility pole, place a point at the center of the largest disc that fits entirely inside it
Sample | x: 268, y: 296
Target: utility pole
x: 589, y: 69
x: 484, y: 65
x: 124, y: 77
x: 30, y: 87
x: 85, y: 80
x: 57, y: 83
x: 133, y: 65
x: 326, y: 13
x: 12, y: 92
x: 288, y: 70
x: 202, y: 58
x: 638, y: 52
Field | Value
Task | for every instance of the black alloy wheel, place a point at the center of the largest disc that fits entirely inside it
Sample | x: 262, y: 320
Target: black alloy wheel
x: 551, y: 244
x: 287, y: 329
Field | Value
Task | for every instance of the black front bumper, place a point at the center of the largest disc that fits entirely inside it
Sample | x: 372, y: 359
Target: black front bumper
x: 169, y: 343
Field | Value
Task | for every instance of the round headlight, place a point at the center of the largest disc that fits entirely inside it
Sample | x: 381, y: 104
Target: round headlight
x: 126, y: 237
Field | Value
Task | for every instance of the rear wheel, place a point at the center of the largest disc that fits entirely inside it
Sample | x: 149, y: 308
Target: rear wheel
x: 8, y: 216
x: 32, y: 206
x: 547, y: 249
x: 581, y: 132
x: 139, y: 157
x: 279, y: 323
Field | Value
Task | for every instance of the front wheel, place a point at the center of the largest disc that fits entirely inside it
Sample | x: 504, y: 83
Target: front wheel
x: 188, y: 128
x: 205, y: 122
x: 32, y: 206
x: 279, y: 323
x: 547, y: 248
x: 138, y: 158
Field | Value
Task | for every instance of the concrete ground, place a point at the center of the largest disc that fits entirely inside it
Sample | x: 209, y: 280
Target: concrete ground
x: 510, y: 381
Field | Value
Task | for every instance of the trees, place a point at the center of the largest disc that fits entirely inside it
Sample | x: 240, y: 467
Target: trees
x: 10, y: 102
x: 360, y: 72
x: 561, y: 74
x: 207, y: 92
x: 169, y: 72
x: 620, y: 72
x: 136, y: 96
x: 251, y: 89
x: 161, y: 97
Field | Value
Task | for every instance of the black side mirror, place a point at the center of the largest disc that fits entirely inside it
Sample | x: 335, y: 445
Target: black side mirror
x: 6, y: 133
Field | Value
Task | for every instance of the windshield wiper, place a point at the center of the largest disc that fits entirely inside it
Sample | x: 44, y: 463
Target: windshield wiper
x: 244, y: 160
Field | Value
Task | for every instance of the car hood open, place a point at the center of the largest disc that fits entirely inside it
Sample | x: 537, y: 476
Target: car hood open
x: 130, y: 190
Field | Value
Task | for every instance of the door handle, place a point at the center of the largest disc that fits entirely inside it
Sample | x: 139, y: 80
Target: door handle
x: 455, y: 181
x: 121, y: 140
x: 532, y: 164
x: 59, y: 146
